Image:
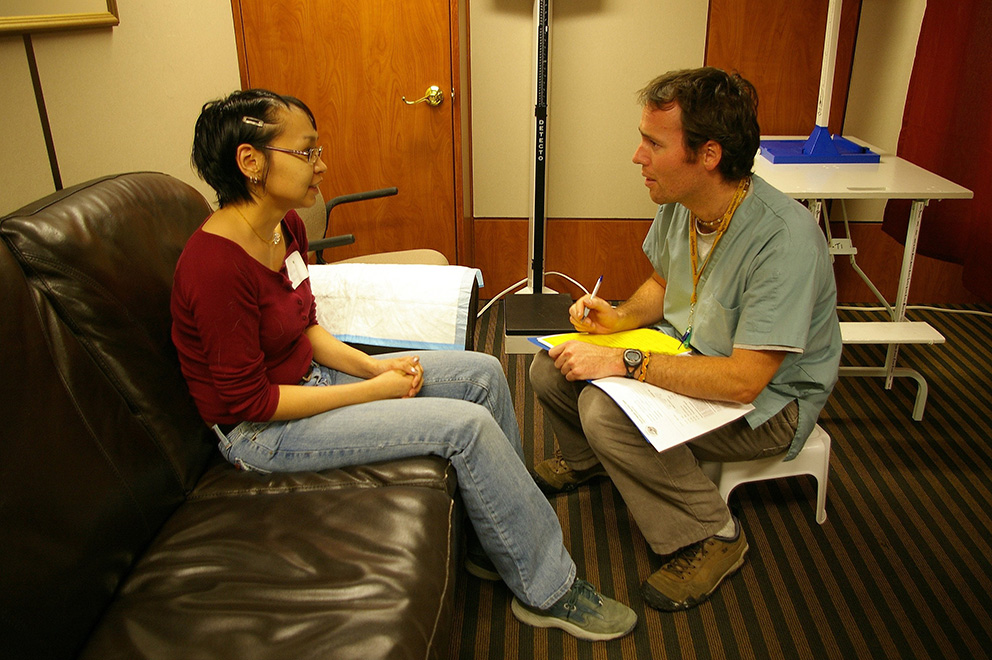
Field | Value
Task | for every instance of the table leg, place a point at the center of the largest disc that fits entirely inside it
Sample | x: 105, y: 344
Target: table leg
x: 905, y: 277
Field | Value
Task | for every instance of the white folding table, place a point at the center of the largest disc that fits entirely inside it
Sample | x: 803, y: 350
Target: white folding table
x: 891, y: 178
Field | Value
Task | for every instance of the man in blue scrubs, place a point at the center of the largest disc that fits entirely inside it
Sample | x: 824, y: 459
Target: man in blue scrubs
x: 743, y: 276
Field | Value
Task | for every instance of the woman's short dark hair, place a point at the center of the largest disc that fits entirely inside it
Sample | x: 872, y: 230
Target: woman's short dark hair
x: 715, y: 106
x: 245, y: 117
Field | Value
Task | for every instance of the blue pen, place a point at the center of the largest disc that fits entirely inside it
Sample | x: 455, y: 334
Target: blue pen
x: 595, y: 290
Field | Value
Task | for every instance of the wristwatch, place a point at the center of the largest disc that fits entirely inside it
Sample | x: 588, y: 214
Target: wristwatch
x: 632, y: 359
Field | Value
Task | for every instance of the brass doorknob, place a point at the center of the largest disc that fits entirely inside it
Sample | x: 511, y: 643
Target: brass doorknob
x: 433, y: 97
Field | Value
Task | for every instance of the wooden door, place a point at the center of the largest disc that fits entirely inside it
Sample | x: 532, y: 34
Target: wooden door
x: 352, y: 61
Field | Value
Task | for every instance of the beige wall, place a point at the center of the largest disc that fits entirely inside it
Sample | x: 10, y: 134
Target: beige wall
x: 24, y: 171
x: 126, y: 99
x: 602, y: 53
x: 118, y: 100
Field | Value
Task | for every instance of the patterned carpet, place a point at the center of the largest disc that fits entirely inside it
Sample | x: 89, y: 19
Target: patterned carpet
x: 900, y: 569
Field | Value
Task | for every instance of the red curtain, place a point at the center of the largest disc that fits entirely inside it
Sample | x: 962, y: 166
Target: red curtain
x: 947, y: 129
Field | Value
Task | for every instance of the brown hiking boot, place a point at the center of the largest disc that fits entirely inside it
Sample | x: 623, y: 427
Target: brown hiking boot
x: 553, y: 475
x: 694, y: 572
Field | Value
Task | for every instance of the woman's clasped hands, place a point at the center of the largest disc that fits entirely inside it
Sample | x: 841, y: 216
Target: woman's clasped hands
x: 402, y: 377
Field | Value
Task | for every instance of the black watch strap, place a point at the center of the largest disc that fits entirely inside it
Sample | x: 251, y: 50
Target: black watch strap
x: 632, y: 359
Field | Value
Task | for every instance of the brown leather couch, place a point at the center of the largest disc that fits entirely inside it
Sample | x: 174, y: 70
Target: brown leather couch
x: 122, y: 532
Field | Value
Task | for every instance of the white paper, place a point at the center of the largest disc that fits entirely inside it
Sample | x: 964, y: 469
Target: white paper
x: 665, y: 418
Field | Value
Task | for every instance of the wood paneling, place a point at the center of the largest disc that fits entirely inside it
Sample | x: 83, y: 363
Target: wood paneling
x: 581, y: 249
x: 586, y: 249
x: 500, y: 252
x: 880, y: 257
x: 778, y: 46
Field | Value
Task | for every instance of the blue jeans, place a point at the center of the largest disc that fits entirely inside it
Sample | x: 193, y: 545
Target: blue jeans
x: 463, y: 413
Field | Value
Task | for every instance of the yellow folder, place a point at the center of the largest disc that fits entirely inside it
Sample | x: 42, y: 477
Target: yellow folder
x: 645, y: 339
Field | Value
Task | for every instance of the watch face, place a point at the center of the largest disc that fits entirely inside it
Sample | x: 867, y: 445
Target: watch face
x: 632, y: 357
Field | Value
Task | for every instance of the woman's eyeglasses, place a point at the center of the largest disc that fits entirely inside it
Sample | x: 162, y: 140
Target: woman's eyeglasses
x: 311, y: 155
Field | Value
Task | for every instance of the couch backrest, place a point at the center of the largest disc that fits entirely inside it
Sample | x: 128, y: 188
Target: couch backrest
x: 100, y: 440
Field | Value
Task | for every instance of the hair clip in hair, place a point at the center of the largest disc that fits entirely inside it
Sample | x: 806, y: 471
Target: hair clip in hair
x: 253, y: 122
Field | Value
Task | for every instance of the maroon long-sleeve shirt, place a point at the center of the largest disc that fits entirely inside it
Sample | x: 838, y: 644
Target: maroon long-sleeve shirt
x: 239, y: 326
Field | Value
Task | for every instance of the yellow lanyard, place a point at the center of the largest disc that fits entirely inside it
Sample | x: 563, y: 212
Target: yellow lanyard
x: 697, y: 270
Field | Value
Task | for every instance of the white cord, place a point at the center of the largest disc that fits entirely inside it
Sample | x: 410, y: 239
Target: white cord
x: 524, y: 281
x: 918, y: 307
x: 499, y: 296
x: 554, y: 272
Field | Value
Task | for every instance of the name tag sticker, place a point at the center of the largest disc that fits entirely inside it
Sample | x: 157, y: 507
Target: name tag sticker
x: 296, y: 269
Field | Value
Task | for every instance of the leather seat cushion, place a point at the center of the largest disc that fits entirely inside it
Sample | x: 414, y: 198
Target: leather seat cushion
x: 353, y: 563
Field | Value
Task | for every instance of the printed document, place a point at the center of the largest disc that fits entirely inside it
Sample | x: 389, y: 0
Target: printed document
x: 665, y: 418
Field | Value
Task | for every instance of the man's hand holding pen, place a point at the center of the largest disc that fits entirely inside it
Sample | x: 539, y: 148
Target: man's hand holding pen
x: 581, y: 361
x: 593, y: 314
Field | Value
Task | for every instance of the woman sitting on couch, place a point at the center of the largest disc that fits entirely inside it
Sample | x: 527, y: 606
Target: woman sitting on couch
x: 284, y: 395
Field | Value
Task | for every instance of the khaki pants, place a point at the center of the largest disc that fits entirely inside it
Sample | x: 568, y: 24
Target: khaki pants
x: 672, y: 501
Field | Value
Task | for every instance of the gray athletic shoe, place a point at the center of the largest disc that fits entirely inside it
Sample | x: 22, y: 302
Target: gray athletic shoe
x: 478, y: 563
x: 582, y: 612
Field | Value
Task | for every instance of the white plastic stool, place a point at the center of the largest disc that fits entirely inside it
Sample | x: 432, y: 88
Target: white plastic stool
x: 814, y: 459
